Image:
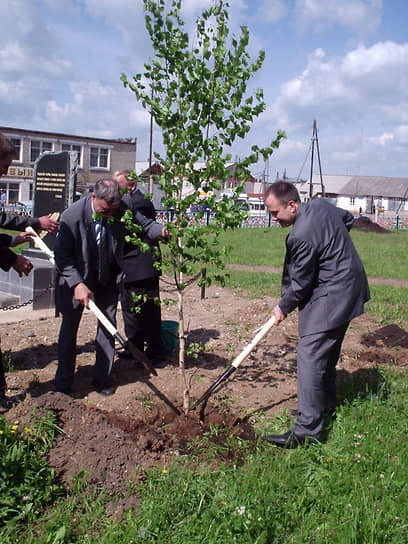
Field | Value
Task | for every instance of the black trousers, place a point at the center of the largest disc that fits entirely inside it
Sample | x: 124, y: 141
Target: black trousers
x: 106, y: 298
x: 142, y: 314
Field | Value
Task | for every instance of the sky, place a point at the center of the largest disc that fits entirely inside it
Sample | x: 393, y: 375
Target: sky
x: 343, y: 63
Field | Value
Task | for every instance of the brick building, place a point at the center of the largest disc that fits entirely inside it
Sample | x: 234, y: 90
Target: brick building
x: 97, y: 157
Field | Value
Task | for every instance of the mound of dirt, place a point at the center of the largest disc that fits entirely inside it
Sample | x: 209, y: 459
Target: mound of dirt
x: 365, y: 224
x: 115, y: 450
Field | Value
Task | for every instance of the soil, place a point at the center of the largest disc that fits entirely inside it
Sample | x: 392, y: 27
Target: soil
x: 116, y: 439
x: 365, y: 224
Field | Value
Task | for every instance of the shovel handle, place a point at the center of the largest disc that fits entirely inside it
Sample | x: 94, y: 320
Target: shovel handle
x: 41, y: 244
x: 102, y: 318
x: 246, y: 351
x: 136, y: 353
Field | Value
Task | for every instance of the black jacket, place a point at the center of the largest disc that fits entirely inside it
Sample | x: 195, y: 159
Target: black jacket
x: 137, y: 264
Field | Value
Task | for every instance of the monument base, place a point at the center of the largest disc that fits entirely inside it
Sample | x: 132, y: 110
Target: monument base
x: 38, y: 286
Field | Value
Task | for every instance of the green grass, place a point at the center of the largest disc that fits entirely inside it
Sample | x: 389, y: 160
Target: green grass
x: 26, y: 482
x: 390, y: 304
x: 254, y: 284
x: 383, y: 255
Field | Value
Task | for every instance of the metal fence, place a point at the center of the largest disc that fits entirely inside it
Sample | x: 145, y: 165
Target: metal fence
x: 265, y: 221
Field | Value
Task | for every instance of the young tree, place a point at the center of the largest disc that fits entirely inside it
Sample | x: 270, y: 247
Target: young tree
x: 196, y: 91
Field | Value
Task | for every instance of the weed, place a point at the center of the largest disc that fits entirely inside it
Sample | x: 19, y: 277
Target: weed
x: 7, y: 361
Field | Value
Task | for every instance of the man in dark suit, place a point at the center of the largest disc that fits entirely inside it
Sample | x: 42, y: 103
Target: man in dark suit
x: 139, y: 288
x: 324, y: 278
x: 85, y: 271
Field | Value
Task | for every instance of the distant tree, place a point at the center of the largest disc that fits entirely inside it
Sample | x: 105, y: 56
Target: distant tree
x: 196, y: 91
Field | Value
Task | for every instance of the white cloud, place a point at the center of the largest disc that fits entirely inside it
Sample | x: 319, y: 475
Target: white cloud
x: 382, y: 140
x: 355, y: 14
x: 339, y: 89
x: 271, y: 11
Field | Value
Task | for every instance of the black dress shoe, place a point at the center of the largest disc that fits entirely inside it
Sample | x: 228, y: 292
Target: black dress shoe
x: 105, y: 390
x: 290, y: 440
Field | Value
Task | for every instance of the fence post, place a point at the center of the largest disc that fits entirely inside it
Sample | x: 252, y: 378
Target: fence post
x: 203, y: 276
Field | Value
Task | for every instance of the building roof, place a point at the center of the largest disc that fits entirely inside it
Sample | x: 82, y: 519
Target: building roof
x: 375, y: 186
x: 142, y: 167
x: 41, y: 133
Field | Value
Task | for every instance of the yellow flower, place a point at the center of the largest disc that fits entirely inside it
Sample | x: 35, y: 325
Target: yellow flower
x: 165, y: 471
x: 14, y: 427
x: 1, y: 432
x: 27, y: 429
x: 223, y: 503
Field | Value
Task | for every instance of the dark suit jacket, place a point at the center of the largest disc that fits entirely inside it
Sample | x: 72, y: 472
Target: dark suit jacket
x: 137, y: 264
x: 323, y: 275
x: 7, y: 257
x: 75, y: 248
x: 13, y: 222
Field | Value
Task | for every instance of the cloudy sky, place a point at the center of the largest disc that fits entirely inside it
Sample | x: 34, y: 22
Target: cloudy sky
x: 343, y: 63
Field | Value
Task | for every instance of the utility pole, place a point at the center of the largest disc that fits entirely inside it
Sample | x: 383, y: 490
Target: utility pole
x: 315, y: 142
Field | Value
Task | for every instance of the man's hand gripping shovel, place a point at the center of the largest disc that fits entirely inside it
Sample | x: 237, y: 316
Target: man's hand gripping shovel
x: 110, y: 327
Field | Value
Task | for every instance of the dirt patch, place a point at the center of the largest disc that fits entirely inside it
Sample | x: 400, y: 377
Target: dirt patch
x: 116, y: 439
x: 365, y: 224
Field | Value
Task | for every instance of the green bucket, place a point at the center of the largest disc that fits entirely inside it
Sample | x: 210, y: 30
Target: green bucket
x: 169, y: 334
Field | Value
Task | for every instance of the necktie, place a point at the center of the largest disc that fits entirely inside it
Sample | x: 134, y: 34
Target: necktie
x: 103, y: 255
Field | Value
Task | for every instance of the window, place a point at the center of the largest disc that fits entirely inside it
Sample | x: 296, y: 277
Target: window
x: 99, y: 157
x: 394, y: 204
x: 352, y: 201
x: 38, y: 147
x: 18, y: 149
x: 73, y: 147
x: 11, y: 190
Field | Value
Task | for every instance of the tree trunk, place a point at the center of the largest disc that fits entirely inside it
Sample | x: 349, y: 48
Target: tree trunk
x: 182, y: 369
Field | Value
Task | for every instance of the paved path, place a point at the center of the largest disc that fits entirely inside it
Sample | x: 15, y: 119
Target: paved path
x: 276, y: 270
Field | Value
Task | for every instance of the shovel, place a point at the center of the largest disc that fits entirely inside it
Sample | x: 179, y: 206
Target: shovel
x: 135, y: 352
x: 237, y: 361
x: 126, y: 344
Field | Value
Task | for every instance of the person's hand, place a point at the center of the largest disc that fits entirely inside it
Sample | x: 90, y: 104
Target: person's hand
x: 279, y: 315
x: 83, y: 294
x: 22, y: 266
x: 48, y: 224
x: 21, y: 238
x: 166, y: 235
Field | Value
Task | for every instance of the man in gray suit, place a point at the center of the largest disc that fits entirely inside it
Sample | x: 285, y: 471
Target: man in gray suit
x: 83, y: 274
x: 324, y: 278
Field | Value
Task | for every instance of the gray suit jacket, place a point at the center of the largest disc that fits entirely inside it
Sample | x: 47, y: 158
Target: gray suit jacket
x: 323, y: 275
x: 75, y: 248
